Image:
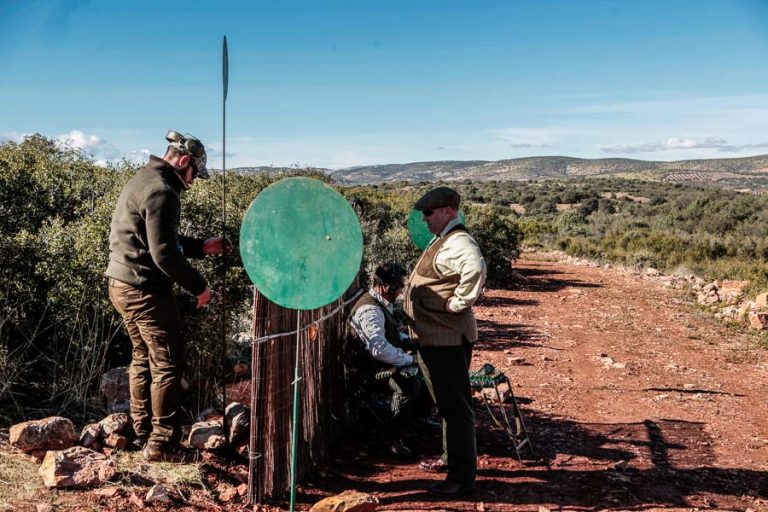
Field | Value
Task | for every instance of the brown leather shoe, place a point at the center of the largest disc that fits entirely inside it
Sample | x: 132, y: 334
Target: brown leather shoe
x: 436, y: 465
x: 450, y: 490
x: 175, y: 454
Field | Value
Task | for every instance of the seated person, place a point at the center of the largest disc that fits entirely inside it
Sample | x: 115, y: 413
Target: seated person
x: 384, y: 365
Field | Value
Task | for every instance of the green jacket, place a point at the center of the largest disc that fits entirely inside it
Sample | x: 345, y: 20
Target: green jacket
x: 145, y: 248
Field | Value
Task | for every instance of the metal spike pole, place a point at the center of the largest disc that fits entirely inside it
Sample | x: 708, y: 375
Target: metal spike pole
x: 225, y: 84
x: 295, y: 422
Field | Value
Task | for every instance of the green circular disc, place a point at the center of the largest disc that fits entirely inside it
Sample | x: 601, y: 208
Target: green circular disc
x: 417, y: 228
x: 301, y: 243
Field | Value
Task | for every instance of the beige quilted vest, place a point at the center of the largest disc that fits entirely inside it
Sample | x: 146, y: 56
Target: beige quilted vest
x: 426, y: 295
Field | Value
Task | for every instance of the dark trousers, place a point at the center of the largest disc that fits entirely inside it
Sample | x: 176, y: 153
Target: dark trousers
x: 405, y: 393
x: 154, y: 326
x: 446, y: 372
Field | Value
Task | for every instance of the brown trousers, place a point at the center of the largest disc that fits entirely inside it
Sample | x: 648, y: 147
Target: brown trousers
x: 154, y: 325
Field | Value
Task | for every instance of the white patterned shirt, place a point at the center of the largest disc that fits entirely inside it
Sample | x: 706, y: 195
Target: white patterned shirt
x: 368, y: 324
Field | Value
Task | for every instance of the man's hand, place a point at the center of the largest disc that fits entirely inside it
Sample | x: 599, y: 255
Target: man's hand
x: 204, y: 298
x: 217, y: 245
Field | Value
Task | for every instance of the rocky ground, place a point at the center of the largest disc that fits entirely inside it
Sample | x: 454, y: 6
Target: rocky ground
x: 635, y: 399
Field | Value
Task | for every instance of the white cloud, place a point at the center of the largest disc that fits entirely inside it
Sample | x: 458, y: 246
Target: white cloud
x: 91, y: 144
x: 80, y: 140
x: 736, y: 149
x: 11, y: 136
x: 676, y: 143
x: 138, y: 156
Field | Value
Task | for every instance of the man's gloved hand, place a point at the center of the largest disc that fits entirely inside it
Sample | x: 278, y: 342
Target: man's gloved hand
x: 408, y: 371
x: 204, y: 298
x: 217, y: 245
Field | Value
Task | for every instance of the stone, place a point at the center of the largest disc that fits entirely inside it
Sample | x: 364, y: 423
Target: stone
x: 90, y: 435
x: 107, y: 492
x: 114, y: 388
x: 240, y: 392
x: 136, y: 501
x: 761, y: 301
x: 652, y: 272
x: 207, y: 435
x: 746, y: 309
x: 733, y: 286
x: 44, y: 507
x: 708, y: 298
x: 730, y: 312
x: 117, y: 423
x: 53, y: 433
x: 227, y: 493
x: 209, y: 414
x: 758, y: 320
x: 348, y: 501
x: 238, y: 423
x: 116, y: 441
x: 76, y: 467
x: 159, y: 493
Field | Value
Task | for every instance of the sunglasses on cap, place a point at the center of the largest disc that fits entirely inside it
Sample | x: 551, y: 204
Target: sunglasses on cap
x: 189, y: 145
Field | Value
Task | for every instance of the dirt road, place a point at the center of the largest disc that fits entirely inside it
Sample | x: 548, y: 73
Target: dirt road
x: 634, y: 399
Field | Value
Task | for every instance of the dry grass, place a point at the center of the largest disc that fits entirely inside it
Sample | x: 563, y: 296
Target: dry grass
x: 19, y: 479
x: 20, y: 482
x: 131, y: 465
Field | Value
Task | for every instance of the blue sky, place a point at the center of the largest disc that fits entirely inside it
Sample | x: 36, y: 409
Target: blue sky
x: 342, y: 83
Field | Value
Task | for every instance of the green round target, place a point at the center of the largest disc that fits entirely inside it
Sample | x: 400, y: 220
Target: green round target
x: 417, y: 228
x: 301, y: 243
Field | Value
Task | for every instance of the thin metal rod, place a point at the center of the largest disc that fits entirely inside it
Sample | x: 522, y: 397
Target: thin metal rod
x: 256, y: 374
x: 225, y: 87
x: 295, y: 422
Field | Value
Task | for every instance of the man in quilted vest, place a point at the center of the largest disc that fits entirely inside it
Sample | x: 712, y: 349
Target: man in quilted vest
x: 377, y: 337
x: 440, y: 292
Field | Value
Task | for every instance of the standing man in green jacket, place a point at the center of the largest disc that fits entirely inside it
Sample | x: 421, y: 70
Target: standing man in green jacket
x: 446, y: 282
x: 146, y: 257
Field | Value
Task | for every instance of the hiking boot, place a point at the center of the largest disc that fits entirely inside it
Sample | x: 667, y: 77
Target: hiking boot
x: 428, y: 425
x: 399, y: 449
x: 450, y: 490
x: 437, y: 465
x: 175, y: 454
x: 136, y: 445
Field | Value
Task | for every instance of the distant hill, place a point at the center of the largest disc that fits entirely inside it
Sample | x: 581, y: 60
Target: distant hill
x: 737, y: 173
x: 748, y: 172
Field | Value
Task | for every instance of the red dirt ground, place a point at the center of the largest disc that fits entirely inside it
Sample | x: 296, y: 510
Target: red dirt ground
x: 634, y: 399
x: 676, y: 419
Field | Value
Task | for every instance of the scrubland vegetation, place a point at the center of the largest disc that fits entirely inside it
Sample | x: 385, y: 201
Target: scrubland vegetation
x: 58, y: 332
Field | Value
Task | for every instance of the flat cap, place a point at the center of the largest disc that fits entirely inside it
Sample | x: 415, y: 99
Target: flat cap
x: 437, y: 198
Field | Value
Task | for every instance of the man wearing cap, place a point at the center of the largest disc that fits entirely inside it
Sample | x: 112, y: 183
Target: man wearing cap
x: 440, y: 292
x: 146, y: 257
x: 372, y: 327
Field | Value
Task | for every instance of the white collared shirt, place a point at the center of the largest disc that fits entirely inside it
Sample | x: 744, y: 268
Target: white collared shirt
x: 368, y: 324
x: 461, y: 255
